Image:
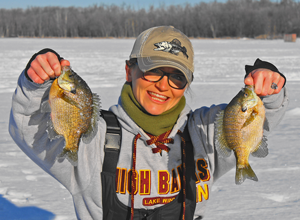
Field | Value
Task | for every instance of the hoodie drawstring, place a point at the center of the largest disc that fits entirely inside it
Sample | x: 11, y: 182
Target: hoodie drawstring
x: 133, y: 175
x: 160, y: 142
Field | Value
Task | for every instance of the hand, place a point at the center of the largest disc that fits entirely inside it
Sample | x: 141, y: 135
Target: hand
x: 44, y: 67
x: 262, y: 80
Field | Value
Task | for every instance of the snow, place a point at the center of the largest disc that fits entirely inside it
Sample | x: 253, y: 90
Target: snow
x: 27, y: 192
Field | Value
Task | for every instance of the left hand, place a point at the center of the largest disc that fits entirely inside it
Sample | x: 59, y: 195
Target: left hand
x: 45, y: 66
x: 262, y: 80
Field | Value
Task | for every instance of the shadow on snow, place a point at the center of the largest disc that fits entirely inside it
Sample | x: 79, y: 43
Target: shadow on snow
x: 10, y: 211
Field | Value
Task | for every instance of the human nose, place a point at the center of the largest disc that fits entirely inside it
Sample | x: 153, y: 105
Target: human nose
x: 163, y: 84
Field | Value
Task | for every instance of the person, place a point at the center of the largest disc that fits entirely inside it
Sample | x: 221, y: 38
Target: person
x: 170, y: 173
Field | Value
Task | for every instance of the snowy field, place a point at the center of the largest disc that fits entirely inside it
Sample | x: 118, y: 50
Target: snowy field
x: 27, y: 192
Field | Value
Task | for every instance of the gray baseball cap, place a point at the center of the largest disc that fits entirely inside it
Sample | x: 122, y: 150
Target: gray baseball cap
x: 164, y: 46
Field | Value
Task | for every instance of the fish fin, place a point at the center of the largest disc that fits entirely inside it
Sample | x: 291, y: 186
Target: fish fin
x: 243, y: 173
x: 52, y: 134
x: 93, y: 129
x: 220, y: 142
x: 266, y: 125
x: 262, y: 150
x: 45, y: 107
x: 72, y: 157
x: 250, y: 119
x: 69, y: 100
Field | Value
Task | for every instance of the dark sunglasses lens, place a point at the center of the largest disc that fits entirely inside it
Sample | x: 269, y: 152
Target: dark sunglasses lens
x: 153, y: 75
x: 176, y: 80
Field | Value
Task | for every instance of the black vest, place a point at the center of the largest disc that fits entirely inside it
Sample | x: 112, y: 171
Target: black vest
x: 113, y: 209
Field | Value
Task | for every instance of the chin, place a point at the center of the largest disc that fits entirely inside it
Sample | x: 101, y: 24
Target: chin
x: 154, y: 111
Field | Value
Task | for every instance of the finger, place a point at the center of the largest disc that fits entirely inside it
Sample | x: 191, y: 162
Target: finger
x: 58, y: 68
x: 34, y: 77
x: 44, y: 61
x: 249, y: 80
x: 54, y: 63
x: 267, y: 90
x: 65, y: 63
x: 280, y: 85
x: 275, y: 80
x: 37, y: 68
x: 258, y: 80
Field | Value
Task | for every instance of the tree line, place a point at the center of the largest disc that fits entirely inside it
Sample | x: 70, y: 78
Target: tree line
x: 234, y: 18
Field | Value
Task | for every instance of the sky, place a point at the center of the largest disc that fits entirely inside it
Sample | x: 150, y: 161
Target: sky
x: 137, y: 4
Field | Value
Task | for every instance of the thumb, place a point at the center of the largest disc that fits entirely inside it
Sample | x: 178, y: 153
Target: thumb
x: 65, y: 63
x: 62, y: 63
x: 249, y: 80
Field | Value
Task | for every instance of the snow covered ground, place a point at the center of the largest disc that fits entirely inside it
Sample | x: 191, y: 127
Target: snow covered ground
x: 27, y: 192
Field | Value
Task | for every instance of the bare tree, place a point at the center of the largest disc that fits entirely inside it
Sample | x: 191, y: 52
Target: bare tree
x: 234, y: 18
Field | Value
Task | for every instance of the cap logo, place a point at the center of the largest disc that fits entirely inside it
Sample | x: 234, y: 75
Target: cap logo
x: 173, y: 47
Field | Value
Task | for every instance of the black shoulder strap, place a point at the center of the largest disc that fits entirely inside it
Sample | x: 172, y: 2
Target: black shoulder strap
x: 112, y: 142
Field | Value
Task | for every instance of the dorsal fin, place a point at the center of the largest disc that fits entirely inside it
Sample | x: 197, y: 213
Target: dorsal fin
x: 91, y: 132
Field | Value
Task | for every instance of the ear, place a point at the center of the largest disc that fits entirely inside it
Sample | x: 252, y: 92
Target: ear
x: 128, y: 73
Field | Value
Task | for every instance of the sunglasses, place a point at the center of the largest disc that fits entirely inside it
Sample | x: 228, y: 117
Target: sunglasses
x: 175, y: 80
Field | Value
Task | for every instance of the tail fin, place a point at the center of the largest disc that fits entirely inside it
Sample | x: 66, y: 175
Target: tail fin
x: 243, y: 173
x: 72, y: 157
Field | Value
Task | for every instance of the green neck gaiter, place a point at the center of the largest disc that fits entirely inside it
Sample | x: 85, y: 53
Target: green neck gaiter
x: 153, y: 124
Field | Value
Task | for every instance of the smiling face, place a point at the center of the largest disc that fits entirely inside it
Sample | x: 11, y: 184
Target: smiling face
x: 155, y: 97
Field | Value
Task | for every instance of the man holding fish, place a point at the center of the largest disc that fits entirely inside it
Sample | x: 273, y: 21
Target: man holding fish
x: 170, y: 156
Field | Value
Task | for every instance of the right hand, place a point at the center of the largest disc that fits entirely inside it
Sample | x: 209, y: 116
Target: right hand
x: 44, y: 67
x: 262, y: 80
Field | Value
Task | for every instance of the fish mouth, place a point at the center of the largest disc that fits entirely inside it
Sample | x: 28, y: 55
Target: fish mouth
x: 68, y: 86
x: 66, y: 80
x: 158, y: 97
x: 249, y: 87
x: 249, y: 104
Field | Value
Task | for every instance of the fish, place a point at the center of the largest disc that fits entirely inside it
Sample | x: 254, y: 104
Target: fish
x: 239, y: 128
x: 173, y: 47
x: 74, y: 112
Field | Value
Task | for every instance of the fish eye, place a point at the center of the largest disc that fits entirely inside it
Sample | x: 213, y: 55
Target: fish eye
x: 245, y: 95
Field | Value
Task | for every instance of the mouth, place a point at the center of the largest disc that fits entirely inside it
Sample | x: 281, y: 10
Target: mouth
x: 249, y: 104
x: 157, y: 97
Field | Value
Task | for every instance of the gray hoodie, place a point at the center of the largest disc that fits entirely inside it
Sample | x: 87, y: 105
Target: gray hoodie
x: 158, y: 182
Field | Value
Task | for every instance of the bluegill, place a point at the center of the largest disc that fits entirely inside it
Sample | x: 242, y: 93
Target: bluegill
x: 239, y: 128
x: 74, y: 112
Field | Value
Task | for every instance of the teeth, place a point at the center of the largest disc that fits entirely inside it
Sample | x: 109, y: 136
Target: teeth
x: 160, y: 100
x: 158, y: 95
